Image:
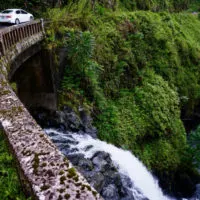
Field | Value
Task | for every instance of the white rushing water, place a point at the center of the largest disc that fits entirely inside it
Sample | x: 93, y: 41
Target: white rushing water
x: 126, y: 162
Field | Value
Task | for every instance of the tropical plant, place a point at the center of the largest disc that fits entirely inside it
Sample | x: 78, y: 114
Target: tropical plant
x: 194, y: 142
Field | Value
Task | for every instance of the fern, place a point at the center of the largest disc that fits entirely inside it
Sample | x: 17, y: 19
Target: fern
x: 194, y: 141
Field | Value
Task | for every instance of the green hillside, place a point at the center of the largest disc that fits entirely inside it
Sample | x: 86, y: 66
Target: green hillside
x: 135, y: 72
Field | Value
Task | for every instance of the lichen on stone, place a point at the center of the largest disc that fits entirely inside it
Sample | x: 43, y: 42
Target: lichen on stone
x: 71, y: 172
x: 45, y: 187
x: 36, y: 162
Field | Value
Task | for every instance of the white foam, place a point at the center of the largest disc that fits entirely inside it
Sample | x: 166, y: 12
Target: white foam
x: 127, y: 163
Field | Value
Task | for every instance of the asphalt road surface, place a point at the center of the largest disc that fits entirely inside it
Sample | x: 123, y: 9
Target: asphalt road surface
x: 2, y: 26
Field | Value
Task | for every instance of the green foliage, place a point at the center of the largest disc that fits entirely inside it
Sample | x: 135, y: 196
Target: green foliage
x: 150, y: 70
x: 81, y: 75
x: 80, y: 47
x: 168, y: 43
x: 194, y: 6
x: 10, y: 187
x: 156, y: 5
x: 146, y: 118
x: 194, y: 142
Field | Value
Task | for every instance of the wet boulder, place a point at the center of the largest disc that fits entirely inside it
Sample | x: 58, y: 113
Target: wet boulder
x: 110, y: 192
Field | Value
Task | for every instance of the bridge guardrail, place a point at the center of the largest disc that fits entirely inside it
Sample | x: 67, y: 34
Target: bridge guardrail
x: 14, y: 34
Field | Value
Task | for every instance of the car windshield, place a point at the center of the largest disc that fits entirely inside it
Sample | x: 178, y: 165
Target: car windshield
x: 7, y: 11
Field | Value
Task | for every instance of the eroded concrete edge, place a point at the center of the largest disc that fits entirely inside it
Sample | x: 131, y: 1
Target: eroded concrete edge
x: 48, y: 174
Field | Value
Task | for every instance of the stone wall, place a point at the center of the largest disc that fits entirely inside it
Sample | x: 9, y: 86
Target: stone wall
x: 43, y: 170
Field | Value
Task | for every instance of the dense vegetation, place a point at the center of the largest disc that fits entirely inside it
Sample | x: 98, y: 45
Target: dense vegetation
x: 135, y: 72
x: 10, y: 187
x: 39, y: 6
x: 194, y: 141
x: 156, y: 5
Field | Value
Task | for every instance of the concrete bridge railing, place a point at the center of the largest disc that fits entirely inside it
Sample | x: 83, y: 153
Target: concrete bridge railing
x: 14, y: 34
x: 43, y: 170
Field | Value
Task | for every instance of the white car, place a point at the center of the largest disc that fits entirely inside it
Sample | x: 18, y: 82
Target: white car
x: 15, y: 16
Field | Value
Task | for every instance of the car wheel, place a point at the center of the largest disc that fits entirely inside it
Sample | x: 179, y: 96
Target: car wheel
x: 17, y: 22
x: 31, y: 18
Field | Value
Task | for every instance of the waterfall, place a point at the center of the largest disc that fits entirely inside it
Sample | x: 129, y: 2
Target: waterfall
x: 144, y: 185
x: 127, y: 164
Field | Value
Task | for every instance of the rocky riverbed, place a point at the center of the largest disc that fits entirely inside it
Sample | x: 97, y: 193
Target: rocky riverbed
x: 99, y: 169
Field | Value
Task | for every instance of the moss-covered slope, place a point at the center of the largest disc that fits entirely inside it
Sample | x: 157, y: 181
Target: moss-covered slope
x: 135, y: 72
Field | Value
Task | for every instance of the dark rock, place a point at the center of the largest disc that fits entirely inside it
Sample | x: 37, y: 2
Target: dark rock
x: 197, y: 193
x: 100, y: 164
x: 112, y: 177
x: 88, y: 147
x: 92, y: 132
x: 75, y: 158
x: 66, y: 120
x: 97, y: 181
x: 85, y: 118
x: 103, y: 156
x: 129, y: 198
x: 110, y: 192
x: 124, y: 185
x: 87, y: 174
x: 62, y: 127
x: 73, y: 150
x: 103, y: 176
x: 74, y: 122
x: 126, y: 181
x: 62, y: 146
x: 85, y: 164
x: 70, y: 141
x: 57, y: 140
x: 52, y: 134
x: 67, y: 109
x: 102, y: 161
x: 80, y: 132
x: 185, y: 185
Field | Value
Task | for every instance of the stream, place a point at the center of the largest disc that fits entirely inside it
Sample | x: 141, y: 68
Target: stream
x: 115, y: 173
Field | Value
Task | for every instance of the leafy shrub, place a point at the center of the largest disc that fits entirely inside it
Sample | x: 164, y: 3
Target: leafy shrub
x: 81, y: 75
x: 156, y: 5
x: 147, y: 117
x: 194, y: 142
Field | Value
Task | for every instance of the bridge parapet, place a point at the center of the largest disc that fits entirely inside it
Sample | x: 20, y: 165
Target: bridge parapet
x: 14, y: 34
x: 43, y: 170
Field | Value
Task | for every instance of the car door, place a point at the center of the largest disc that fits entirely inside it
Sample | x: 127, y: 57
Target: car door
x: 25, y: 16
